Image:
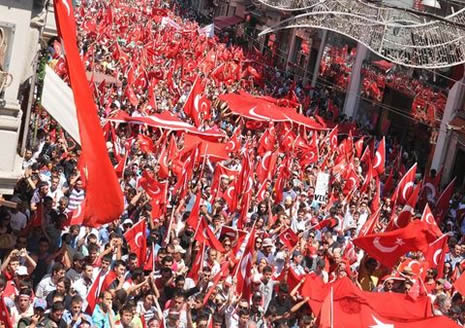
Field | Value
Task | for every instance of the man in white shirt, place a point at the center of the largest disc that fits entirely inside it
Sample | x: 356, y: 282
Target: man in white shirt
x: 49, y: 282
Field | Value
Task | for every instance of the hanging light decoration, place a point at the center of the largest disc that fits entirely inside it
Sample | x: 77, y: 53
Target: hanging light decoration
x: 404, y: 37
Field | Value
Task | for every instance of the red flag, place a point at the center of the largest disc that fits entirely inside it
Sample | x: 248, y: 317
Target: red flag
x: 266, y: 166
x: 267, y: 141
x: 145, y: 143
x: 104, y: 201
x: 93, y: 294
x: 459, y: 284
x: 222, y: 274
x: 388, y: 247
x: 436, y: 254
x: 137, y: 241
x: 76, y: 217
x: 428, y: 218
x: 359, y: 147
x: 346, y: 306
x: 191, y: 107
x: 369, y: 227
x: 131, y: 95
x: 405, y: 186
x: 442, y: 205
x: 197, y: 265
x: 194, y: 217
x: 333, y: 138
x: 243, y: 286
x: 234, y: 144
x: 205, y: 235
x: 5, y: 314
x: 388, y: 184
x: 404, y: 216
x: 289, y: 238
x: 380, y: 158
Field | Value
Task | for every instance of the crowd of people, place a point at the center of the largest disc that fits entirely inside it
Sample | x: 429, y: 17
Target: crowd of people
x: 242, y: 241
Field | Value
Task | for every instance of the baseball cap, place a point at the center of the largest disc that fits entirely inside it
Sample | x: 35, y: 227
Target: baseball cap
x: 40, y: 303
x: 21, y: 271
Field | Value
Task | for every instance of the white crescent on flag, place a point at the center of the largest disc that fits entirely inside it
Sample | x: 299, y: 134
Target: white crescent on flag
x: 378, y: 160
x: 377, y: 244
x: 265, y: 156
x: 137, y: 239
x: 407, y: 186
x: 435, y: 256
x: 252, y: 113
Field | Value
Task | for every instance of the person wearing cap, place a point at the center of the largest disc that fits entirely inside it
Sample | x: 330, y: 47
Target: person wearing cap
x: 179, y: 261
x: 266, y: 251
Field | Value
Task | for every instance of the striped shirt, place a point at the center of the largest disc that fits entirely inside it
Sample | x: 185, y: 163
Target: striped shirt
x: 76, y: 198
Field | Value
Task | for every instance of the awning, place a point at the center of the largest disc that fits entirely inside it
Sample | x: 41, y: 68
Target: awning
x: 222, y: 22
x: 457, y: 124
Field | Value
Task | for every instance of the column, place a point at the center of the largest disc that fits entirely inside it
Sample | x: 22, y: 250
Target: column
x: 290, y: 47
x: 453, y: 103
x: 316, y: 69
x: 353, y: 91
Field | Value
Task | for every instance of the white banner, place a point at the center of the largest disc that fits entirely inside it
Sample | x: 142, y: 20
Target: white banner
x: 321, y: 188
x: 58, y: 101
x: 208, y: 30
x: 168, y: 21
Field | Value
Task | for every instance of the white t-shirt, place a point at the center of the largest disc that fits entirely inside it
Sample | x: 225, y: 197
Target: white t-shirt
x: 18, y: 221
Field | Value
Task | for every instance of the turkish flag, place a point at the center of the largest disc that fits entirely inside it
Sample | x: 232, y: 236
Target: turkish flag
x: 388, y: 184
x: 76, y: 216
x: 406, y: 186
x: 332, y: 138
x: 137, y: 241
x: 428, y: 218
x: 380, y: 158
x: 197, y: 264
x: 104, y: 201
x: 243, y: 273
x: 376, y: 201
x: 388, y: 247
x: 436, y: 254
x: 234, y: 145
x: 93, y: 294
x: 346, y: 306
x: 404, y: 216
x: 351, y: 181
x: 220, y: 173
x: 131, y: 95
x: 222, y: 274
x: 5, y: 314
x: 359, y: 147
x: 266, y: 166
x: 459, y: 284
x: 442, y: 205
x: 191, y: 107
x: 369, y: 227
x: 267, y: 141
x: 145, y: 143
x: 205, y: 235
x: 289, y: 238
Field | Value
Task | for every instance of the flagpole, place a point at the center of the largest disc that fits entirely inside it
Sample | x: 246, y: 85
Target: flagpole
x: 331, y: 309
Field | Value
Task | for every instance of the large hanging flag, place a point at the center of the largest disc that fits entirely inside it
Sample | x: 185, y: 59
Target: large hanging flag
x: 104, y: 198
